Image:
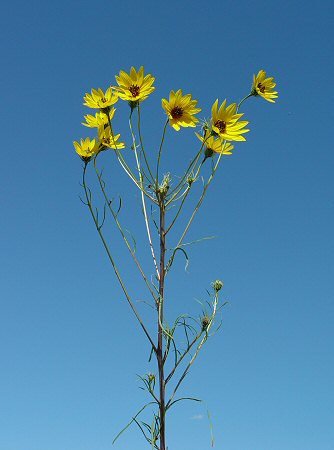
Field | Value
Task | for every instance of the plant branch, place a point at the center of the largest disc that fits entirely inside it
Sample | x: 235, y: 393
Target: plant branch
x: 89, y: 203
x: 114, y: 214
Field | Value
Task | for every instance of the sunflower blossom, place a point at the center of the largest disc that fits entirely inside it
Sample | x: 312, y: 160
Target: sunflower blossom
x: 215, y: 145
x: 87, y: 148
x: 134, y: 87
x: 225, y: 122
x: 100, y: 100
x: 95, y: 121
x: 264, y: 86
x: 180, y: 110
x: 108, y: 139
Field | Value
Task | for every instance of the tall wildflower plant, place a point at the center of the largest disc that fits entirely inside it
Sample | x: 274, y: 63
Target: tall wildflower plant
x: 215, y: 139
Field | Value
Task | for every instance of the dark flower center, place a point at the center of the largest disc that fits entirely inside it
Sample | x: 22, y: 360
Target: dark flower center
x: 176, y: 112
x: 221, y: 125
x: 135, y: 90
x: 103, y: 100
x: 262, y: 88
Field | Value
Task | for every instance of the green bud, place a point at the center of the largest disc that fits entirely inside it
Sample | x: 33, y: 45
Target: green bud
x: 151, y: 377
x: 190, y: 180
x: 164, y: 186
x: 217, y: 285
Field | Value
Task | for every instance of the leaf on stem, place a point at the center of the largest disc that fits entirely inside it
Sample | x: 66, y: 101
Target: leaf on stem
x: 132, y: 420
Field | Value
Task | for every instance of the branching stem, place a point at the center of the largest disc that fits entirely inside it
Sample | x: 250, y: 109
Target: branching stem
x: 108, y: 202
x: 148, y: 230
x: 89, y: 204
x: 200, y: 345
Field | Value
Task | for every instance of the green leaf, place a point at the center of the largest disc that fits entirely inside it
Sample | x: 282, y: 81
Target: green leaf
x: 184, y: 398
x: 132, y: 420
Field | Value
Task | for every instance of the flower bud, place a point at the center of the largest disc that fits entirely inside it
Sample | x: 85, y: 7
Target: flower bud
x: 205, y: 322
x: 217, y: 285
x: 164, y: 186
x: 190, y: 180
x: 151, y: 377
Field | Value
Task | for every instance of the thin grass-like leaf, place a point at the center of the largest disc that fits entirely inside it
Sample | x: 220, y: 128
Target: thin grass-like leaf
x: 141, y: 429
x: 196, y: 241
x: 211, y: 429
x: 173, y: 256
x: 85, y: 203
x: 183, y: 398
x: 133, y: 240
x: 119, y: 207
x: 132, y: 420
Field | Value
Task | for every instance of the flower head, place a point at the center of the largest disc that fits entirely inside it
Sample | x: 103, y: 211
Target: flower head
x: 100, y: 100
x: 215, y: 144
x: 264, y: 86
x: 134, y: 87
x: 108, y: 139
x: 87, y: 148
x: 95, y: 121
x: 225, y: 122
x: 180, y: 109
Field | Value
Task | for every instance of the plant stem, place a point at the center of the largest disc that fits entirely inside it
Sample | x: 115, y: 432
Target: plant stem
x: 141, y: 180
x: 159, y: 154
x: 114, y: 214
x: 98, y: 228
x: 142, y: 145
x: 241, y: 102
x: 200, y: 345
x: 197, y: 206
x: 159, y: 353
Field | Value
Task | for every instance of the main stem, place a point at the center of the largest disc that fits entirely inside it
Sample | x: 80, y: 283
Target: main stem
x: 160, y: 322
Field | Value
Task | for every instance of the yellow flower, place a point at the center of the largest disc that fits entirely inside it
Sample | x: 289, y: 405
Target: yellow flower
x: 134, y: 87
x: 100, y: 100
x: 108, y: 138
x: 226, y: 123
x: 94, y: 121
x: 87, y: 148
x: 215, y: 145
x: 180, y: 110
x: 264, y: 86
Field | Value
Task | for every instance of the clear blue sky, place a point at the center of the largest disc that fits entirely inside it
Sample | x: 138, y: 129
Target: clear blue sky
x: 69, y: 347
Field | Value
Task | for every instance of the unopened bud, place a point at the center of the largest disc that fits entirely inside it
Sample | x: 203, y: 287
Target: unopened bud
x: 191, y: 179
x: 217, y: 285
x: 205, y: 322
x: 164, y: 186
x: 151, y: 377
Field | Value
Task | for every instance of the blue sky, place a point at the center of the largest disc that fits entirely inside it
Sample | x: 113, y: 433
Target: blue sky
x: 69, y: 347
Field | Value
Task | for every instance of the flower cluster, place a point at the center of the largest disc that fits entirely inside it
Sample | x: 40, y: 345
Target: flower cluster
x: 217, y: 135
x: 223, y: 127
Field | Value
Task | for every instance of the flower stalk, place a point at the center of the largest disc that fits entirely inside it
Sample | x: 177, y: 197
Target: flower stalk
x: 99, y: 230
